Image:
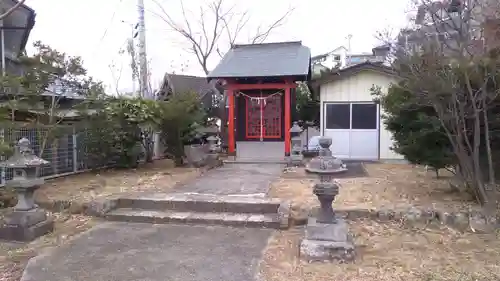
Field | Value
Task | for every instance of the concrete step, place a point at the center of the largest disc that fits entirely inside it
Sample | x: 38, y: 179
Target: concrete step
x: 240, y: 160
x: 203, y: 203
x: 209, y: 218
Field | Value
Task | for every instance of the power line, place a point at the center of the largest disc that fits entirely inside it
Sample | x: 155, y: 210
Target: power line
x: 108, y: 26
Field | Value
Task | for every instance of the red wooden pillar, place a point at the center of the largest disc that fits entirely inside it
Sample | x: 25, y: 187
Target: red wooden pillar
x: 230, y: 120
x: 288, y: 120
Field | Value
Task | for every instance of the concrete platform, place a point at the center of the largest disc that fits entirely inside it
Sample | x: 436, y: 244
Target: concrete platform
x: 134, y: 252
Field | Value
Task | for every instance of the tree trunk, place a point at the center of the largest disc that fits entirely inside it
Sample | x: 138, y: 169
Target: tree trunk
x: 491, y: 170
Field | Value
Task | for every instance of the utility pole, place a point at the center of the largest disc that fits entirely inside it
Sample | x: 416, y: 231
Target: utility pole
x: 151, y: 138
x: 143, y: 62
x: 2, y: 47
x: 349, y: 38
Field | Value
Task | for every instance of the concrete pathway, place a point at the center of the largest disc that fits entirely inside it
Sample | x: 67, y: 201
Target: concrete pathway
x: 135, y: 252
x: 235, y: 179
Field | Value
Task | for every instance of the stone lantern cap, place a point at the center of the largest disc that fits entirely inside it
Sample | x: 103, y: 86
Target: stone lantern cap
x: 325, y: 163
x: 212, y: 138
x: 23, y: 157
x: 296, y: 128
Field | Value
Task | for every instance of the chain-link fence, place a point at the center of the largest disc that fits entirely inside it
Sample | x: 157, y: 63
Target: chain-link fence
x: 64, y: 149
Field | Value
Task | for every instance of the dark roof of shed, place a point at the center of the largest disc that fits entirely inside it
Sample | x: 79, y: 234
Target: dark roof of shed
x: 264, y: 60
x: 187, y: 83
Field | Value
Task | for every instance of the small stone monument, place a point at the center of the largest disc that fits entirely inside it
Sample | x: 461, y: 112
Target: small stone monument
x: 213, y: 159
x: 296, y: 158
x: 26, y: 221
x: 327, y: 237
x: 212, y: 144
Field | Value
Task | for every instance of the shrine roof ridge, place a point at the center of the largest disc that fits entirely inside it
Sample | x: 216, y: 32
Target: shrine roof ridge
x: 277, y: 59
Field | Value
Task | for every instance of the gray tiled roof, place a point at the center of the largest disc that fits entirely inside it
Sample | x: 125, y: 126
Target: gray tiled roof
x: 187, y: 83
x: 261, y: 60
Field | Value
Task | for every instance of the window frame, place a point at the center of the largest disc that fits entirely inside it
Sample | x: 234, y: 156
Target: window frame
x: 350, y: 104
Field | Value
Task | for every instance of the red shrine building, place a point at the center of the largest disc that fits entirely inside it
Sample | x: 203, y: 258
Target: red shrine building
x: 260, y: 82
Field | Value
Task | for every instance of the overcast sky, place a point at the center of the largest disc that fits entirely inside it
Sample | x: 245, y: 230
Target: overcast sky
x: 98, y: 29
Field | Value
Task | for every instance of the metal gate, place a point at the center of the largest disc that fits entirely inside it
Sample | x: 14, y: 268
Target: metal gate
x: 263, y: 116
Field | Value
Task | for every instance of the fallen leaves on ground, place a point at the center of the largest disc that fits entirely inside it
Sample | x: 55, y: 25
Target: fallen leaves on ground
x: 390, y: 252
x: 391, y: 186
x: 14, y: 256
x: 159, y: 176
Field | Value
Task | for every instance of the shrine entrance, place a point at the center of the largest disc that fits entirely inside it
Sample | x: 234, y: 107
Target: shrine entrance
x: 263, y: 116
x: 259, y: 82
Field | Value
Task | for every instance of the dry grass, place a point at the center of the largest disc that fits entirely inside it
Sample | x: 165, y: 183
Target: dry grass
x: 391, y: 186
x: 391, y: 252
x: 13, y: 257
x: 159, y: 176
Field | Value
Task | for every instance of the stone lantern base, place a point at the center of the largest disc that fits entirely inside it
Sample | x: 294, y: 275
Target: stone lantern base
x: 327, y: 242
x: 25, y: 226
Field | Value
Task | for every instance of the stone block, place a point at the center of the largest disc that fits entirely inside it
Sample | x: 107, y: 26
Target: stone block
x: 478, y: 223
x: 461, y: 221
x: 358, y: 214
x: 444, y: 217
x: 314, y: 250
x: 327, y: 242
x: 99, y: 208
x: 205, y: 218
x: 327, y: 231
x: 385, y: 215
x: 25, y: 218
x: 235, y: 219
x: 25, y: 226
x: 284, y: 211
x: 265, y: 221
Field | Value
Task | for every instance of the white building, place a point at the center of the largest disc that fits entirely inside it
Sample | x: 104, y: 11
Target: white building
x: 350, y: 116
x: 340, y: 58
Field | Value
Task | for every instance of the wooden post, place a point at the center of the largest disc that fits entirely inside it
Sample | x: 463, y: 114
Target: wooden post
x: 288, y: 120
x: 230, y: 120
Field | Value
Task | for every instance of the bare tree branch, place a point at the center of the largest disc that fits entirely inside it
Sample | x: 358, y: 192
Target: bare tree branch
x: 261, y: 36
x: 218, y: 29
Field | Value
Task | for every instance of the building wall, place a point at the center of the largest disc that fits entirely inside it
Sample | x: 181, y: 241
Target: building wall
x: 356, y: 88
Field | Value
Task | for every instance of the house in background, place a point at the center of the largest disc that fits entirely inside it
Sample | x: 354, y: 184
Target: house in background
x: 340, y: 58
x: 175, y: 84
x: 14, y: 36
x: 350, y: 116
x: 333, y: 59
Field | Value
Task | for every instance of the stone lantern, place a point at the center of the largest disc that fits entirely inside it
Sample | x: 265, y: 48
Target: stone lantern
x: 212, y: 144
x: 327, y: 237
x: 296, y: 156
x: 26, y: 221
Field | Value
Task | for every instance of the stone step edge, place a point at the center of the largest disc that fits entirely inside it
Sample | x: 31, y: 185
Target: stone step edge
x: 99, y: 208
x: 227, y: 219
x: 460, y: 219
x: 249, y: 161
x: 202, y: 203
x: 102, y: 206
x: 203, y: 197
